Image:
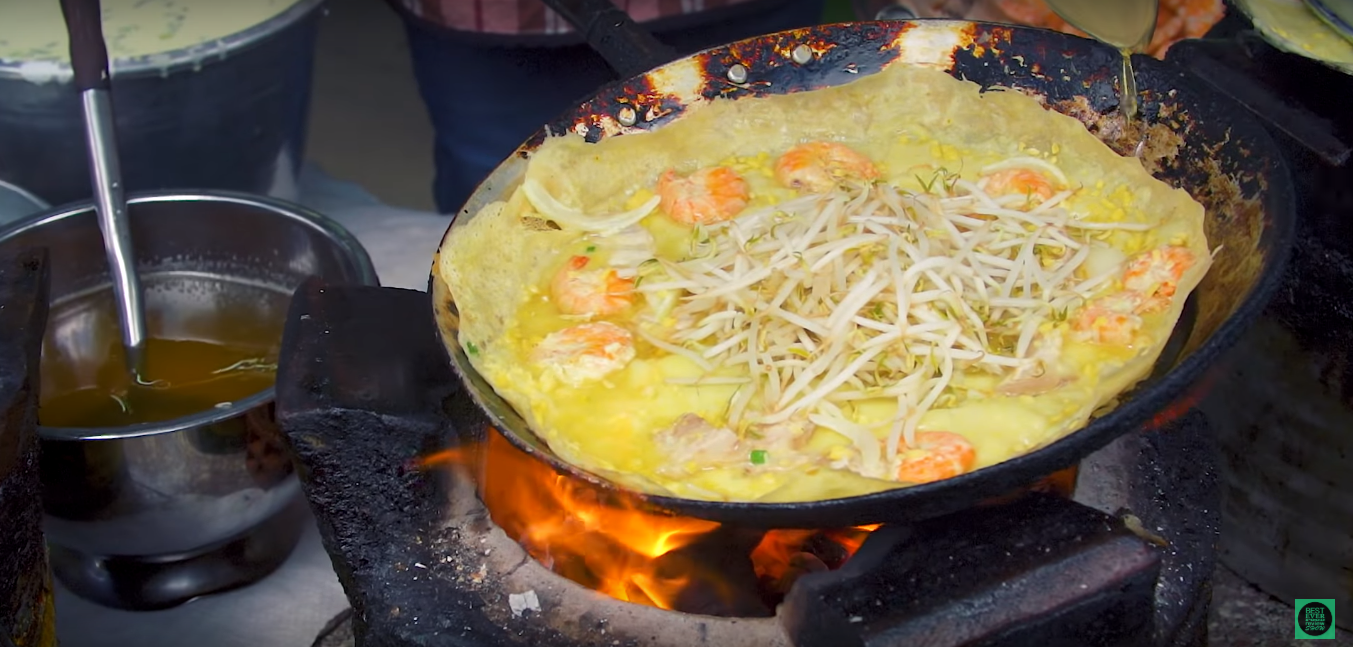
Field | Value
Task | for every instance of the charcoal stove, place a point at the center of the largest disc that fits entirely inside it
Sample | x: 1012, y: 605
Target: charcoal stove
x: 364, y: 389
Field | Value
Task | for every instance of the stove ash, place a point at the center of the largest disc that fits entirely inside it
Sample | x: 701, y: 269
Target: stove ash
x: 365, y: 394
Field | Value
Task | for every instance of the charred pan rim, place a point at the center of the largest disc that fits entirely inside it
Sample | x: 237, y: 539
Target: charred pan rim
x: 1056, y: 68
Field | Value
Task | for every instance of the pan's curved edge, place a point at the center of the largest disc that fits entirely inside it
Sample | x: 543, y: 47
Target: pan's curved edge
x: 817, y: 57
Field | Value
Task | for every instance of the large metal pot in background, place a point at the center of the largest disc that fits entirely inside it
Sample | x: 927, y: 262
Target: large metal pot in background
x: 148, y: 516
x: 229, y: 114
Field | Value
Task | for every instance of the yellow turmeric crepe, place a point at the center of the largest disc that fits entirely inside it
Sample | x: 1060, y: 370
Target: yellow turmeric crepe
x: 823, y: 294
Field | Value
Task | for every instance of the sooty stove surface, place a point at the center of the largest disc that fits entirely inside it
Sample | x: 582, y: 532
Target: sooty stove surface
x: 364, y: 389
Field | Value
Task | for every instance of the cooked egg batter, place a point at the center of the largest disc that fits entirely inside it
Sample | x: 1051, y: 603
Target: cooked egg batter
x: 35, y: 30
x: 757, y: 303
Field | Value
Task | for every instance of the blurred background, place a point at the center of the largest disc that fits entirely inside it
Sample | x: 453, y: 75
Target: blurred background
x: 366, y: 105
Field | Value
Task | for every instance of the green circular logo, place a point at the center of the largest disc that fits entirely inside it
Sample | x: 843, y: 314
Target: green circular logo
x: 1315, y: 619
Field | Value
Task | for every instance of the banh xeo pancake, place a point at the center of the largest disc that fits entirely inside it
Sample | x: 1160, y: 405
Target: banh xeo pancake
x: 823, y: 294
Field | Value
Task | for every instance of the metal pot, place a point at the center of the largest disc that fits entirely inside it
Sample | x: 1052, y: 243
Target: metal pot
x: 230, y: 114
x: 149, y: 515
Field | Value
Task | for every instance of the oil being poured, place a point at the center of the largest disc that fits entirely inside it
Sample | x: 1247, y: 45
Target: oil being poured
x: 1124, y: 25
x: 1127, y: 80
x: 180, y: 378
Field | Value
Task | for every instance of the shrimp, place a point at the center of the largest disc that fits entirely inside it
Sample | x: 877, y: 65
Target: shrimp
x: 1019, y: 181
x: 707, y: 196
x: 1169, y: 28
x: 937, y: 455
x: 578, y: 291
x: 817, y: 167
x: 1198, y: 15
x: 1031, y: 12
x: 1150, y: 281
x: 1104, y: 325
x: 1155, y: 275
x: 1180, y: 19
x: 692, y: 443
x: 585, y: 352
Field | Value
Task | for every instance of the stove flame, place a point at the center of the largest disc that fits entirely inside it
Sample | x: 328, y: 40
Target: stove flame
x: 617, y: 545
x: 785, y: 555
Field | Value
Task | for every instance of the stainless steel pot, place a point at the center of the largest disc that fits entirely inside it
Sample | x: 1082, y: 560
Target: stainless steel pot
x: 150, y: 515
x: 230, y: 114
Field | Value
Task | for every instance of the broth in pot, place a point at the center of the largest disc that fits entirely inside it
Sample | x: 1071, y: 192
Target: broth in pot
x: 210, y: 343
x: 181, y: 377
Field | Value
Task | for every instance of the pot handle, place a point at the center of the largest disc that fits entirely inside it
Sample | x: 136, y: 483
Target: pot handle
x: 88, y: 52
x: 630, y: 49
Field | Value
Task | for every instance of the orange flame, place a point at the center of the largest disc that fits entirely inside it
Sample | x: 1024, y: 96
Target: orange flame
x: 784, y: 555
x: 1185, y: 403
x: 611, y: 546
x: 615, y: 544
x: 618, y: 546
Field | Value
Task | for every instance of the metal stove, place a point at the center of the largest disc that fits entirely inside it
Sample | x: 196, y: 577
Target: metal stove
x: 364, y: 389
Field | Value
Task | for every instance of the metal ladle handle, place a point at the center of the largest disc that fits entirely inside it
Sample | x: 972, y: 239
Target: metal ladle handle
x: 89, y: 62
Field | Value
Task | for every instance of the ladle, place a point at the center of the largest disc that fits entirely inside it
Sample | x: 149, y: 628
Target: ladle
x: 89, y: 62
x: 1125, y: 25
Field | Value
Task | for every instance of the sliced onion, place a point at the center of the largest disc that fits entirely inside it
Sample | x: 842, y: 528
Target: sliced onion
x: 871, y: 459
x: 1104, y: 259
x: 572, y: 218
x: 1025, y: 161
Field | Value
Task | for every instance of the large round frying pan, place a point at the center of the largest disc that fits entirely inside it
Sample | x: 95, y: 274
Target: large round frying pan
x: 1200, y: 140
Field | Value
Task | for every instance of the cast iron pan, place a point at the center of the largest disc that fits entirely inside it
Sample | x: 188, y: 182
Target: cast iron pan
x: 1204, y: 143
x: 1221, y: 59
